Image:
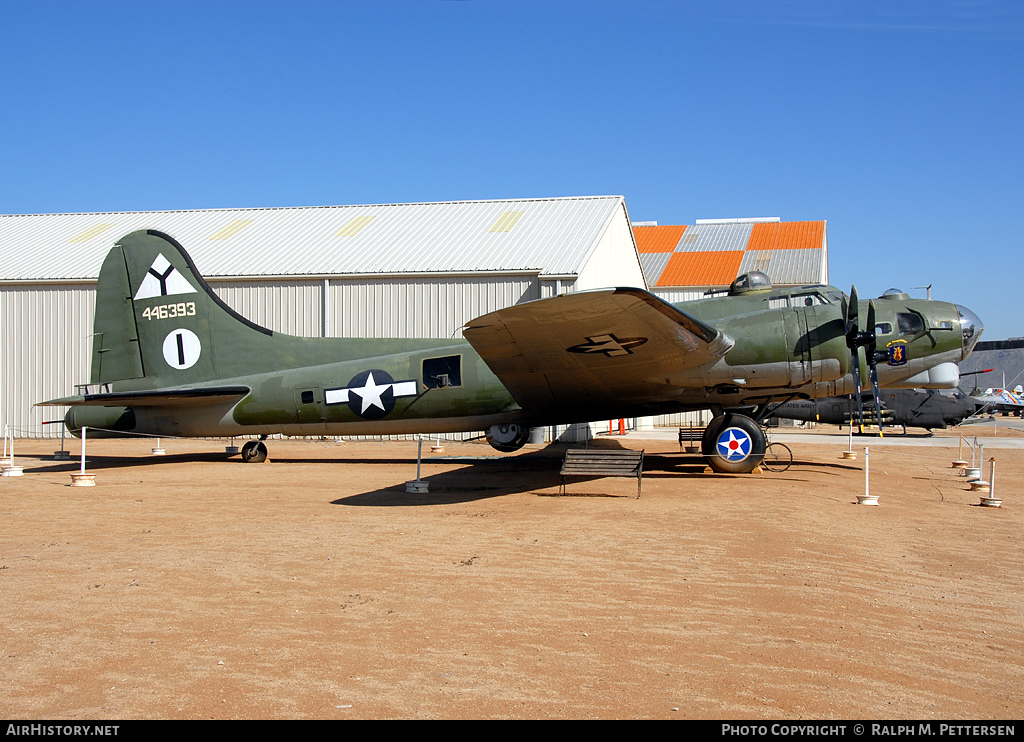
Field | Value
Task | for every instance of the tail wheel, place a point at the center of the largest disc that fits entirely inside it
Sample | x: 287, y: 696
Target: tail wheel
x: 507, y: 437
x: 254, y: 452
x: 733, y: 444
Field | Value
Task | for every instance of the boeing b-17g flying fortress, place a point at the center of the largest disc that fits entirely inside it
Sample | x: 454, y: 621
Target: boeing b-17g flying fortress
x: 170, y: 358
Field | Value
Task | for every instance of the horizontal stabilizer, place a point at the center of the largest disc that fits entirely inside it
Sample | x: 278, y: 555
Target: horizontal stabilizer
x: 152, y: 398
x: 593, y: 348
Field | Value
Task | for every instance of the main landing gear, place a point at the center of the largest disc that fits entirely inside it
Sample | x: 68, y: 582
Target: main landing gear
x: 733, y: 444
x: 254, y: 452
x: 507, y: 437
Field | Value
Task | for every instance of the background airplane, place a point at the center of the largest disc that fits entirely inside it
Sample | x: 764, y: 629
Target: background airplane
x: 1000, y: 400
x: 920, y: 408
x: 170, y: 358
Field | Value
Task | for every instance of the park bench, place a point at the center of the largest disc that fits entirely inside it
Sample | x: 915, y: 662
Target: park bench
x: 601, y: 463
x: 690, y: 436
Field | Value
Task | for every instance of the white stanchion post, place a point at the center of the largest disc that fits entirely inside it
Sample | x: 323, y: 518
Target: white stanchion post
x: 849, y: 453
x: 989, y: 500
x: 7, y: 465
x: 960, y: 463
x: 867, y: 498
x: 418, y: 485
x: 82, y: 479
x: 62, y: 455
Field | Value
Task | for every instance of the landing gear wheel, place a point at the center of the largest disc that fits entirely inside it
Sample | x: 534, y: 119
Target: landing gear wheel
x: 733, y: 444
x: 507, y: 437
x: 254, y: 452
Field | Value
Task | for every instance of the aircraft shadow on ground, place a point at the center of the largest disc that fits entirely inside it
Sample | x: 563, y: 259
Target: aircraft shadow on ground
x: 538, y: 472
x: 44, y: 465
x: 481, y: 477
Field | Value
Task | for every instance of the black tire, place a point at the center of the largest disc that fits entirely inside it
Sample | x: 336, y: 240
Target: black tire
x: 778, y: 457
x: 507, y: 437
x: 707, y: 441
x: 254, y: 452
x: 733, y: 444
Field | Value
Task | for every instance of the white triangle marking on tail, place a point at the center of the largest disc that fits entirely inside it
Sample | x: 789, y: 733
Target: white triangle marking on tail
x: 163, y: 279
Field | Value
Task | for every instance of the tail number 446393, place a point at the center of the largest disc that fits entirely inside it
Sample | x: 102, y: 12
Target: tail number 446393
x: 169, y: 311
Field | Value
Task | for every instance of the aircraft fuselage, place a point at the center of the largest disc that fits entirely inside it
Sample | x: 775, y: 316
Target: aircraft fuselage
x: 383, y: 387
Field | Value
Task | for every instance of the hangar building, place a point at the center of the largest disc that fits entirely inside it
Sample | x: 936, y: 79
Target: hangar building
x: 682, y: 262
x: 395, y: 270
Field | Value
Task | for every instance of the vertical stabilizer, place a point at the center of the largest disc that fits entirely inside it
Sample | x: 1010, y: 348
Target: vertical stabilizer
x: 115, y: 347
x: 157, y: 320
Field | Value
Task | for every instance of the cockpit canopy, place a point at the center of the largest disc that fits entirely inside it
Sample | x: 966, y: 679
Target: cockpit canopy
x: 750, y: 283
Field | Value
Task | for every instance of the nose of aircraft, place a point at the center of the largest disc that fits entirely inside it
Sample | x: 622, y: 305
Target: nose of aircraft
x: 972, y: 328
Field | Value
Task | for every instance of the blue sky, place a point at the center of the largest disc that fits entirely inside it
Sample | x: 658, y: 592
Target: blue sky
x: 900, y: 123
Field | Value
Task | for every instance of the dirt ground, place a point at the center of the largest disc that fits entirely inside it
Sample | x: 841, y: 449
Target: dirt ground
x: 313, y: 586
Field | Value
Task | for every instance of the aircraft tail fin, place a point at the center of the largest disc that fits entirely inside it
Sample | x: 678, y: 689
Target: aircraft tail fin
x: 157, y: 319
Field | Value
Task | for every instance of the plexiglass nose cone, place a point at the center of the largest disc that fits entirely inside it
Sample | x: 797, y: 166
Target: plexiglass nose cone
x: 971, y: 326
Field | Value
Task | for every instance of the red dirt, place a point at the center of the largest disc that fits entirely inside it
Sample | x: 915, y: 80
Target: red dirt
x: 313, y: 586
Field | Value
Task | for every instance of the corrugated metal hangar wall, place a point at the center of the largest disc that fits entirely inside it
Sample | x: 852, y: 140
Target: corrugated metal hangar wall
x: 682, y: 262
x: 397, y: 270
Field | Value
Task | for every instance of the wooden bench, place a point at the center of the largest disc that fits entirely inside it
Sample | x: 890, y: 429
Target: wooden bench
x: 691, y: 434
x: 602, y: 463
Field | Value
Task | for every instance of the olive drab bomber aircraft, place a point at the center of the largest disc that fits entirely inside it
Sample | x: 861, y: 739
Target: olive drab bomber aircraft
x: 170, y: 358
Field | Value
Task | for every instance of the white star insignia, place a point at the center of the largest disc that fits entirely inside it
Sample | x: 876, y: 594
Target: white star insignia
x: 736, y: 447
x: 370, y: 393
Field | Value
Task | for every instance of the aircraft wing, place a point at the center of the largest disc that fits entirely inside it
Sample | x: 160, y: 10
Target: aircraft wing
x: 592, y: 348
x: 152, y: 398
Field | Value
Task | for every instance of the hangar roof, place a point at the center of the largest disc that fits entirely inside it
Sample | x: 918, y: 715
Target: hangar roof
x: 554, y: 237
x: 713, y: 252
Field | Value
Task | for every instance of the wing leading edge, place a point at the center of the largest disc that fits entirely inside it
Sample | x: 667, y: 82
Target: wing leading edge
x: 609, y: 347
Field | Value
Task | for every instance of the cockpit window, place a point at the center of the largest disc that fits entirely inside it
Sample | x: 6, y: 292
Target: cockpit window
x: 883, y: 328
x: 909, y: 323
x: 808, y: 300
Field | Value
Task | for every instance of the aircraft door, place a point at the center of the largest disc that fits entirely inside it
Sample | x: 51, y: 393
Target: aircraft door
x: 814, y: 336
x: 309, y: 406
x: 798, y: 346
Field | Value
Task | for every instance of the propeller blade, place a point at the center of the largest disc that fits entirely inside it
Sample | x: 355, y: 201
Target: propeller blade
x: 870, y: 345
x: 850, y: 315
x: 855, y: 360
x: 869, y: 334
x: 878, y: 402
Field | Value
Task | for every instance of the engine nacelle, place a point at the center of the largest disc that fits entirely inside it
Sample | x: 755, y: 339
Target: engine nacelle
x: 943, y: 376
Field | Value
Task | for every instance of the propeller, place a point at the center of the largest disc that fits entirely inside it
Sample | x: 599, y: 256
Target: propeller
x: 871, y: 353
x: 856, y: 339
